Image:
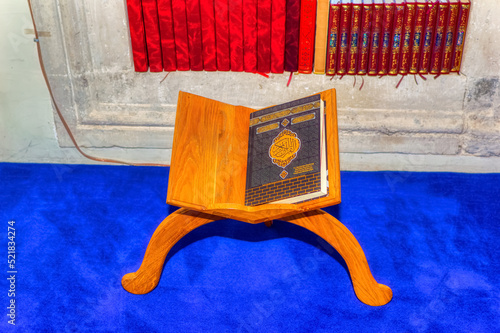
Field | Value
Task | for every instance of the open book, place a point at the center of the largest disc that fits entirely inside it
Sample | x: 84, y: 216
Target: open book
x: 287, y: 153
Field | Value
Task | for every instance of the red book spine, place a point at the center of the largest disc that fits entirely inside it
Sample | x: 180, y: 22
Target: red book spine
x: 354, y: 39
x: 250, y: 36
x: 333, y: 33
x: 345, y: 24
x: 292, y: 35
x: 399, y: 15
x: 236, y: 35
x: 207, y: 13
x: 278, y: 18
x: 378, y: 12
x: 181, y: 34
x: 222, y: 34
x: 461, y: 32
x: 449, y: 38
x: 264, y: 36
x: 437, y: 49
x: 364, y: 48
x: 307, y: 35
x: 407, y: 37
x: 167, y: 34
x: 137, y: 36
x: 417, y: 37
x: 194, y: 34
x: 429, y: 32
x: 385, y: 50
x: 153, y: 40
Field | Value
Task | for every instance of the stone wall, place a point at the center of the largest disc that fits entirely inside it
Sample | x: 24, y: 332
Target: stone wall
x: 451, y: 123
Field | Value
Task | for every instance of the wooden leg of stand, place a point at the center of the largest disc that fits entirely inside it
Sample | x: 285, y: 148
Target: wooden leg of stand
x: 269, y: 223
x: 337, y: 235
x: 168, y: 233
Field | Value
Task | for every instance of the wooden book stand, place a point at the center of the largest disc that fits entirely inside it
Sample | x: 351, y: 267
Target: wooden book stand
x: 207, y: 179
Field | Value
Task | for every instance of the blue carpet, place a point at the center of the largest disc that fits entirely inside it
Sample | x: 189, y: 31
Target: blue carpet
x: 432, y: 237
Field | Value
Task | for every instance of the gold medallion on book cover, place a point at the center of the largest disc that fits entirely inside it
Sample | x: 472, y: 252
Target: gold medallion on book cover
x: 284, y: 148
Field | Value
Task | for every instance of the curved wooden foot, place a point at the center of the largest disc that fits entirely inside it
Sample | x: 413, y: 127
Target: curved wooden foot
x: 337, y: 235
x: 269, y: 223
x: 168, y: 233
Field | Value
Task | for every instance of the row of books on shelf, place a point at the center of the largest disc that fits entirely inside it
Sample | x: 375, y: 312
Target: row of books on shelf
x: 354, y: 37
x: 391, y: 37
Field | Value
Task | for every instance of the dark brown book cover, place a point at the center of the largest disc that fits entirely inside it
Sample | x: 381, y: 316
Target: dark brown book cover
x: 286, y: 152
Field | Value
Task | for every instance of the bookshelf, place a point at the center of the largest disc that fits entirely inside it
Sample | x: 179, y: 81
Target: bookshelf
x: 207, y: 179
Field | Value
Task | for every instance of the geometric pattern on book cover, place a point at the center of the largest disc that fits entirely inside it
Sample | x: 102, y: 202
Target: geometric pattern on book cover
x: 283, y: 189
x: 300, y: 160
x: 252, y: 36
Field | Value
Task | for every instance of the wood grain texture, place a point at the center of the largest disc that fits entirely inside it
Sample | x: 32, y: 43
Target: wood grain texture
x: 337, y: 235
x: 168, y: 233
x: 208, y: 174
x: 209, y: 160
x: 183, y: 221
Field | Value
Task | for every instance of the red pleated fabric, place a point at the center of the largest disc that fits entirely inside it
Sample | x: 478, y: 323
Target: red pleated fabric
x: 292, y: 36
x: 307, y: 35
x: 222, y: 34
x: 153, y: 41
x: 137, y: 36
x: 250, y: 36
x: 194, y: 34
x: 236, y: 34
x: 181, y: 34
x: 167, y: 34
x: 278, y: 18
x: 264, y: 36
x: 208, y: 35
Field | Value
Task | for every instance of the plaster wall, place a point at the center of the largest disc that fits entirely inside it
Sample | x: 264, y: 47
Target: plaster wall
x: 451, y: 123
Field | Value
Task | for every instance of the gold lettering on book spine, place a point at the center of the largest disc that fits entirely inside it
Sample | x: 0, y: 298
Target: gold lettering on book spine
x: 396, y: 39
x: 375, y: 37
x: 417, y: 38
x: 459, y: 41
x: 386, y: 39
x: 427, y: 42
x: 449, y: 39
x: 333, y: 39
x: 406, y: 45
x: 365, y: 39
x: 354, y: 40
x: 344, y: 38
x: 438, y: 40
